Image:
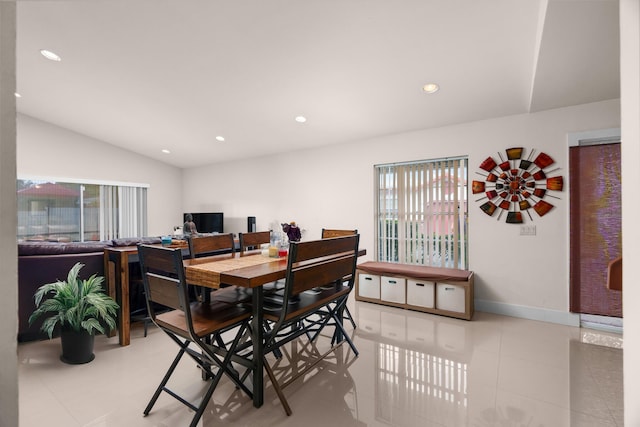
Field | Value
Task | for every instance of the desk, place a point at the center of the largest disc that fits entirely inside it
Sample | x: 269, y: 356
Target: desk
x: 249, y: 271
x: 116, y: 268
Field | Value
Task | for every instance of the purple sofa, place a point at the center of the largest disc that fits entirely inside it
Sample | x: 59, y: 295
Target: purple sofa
x: 46, y: 262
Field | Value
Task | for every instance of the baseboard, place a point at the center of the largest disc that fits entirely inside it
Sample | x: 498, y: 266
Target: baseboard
x: 531, y: 313
x: 602, y: 323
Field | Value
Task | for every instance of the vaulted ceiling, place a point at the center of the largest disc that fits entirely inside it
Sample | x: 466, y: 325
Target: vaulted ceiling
x: 148, y: 75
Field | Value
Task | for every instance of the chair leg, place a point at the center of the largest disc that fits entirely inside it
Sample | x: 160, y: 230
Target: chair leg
x: 276, y: 351
x: 225, y: 364
x: 204, y: 361
x: 276, y: 387
x: 145, y: 318
x: 165, y: 379
x: 220, y: 342
x: 206, y: 398
x: 349, y: 316
x: 343, y: 332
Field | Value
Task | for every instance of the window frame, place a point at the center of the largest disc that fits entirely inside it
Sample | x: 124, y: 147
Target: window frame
x: 122, y: 208
x: 421, y: 199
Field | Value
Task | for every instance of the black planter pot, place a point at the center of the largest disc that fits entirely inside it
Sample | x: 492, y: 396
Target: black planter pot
x: 77, y: 347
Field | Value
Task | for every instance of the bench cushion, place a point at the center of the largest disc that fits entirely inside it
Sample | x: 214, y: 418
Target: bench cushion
x: 421, y: 272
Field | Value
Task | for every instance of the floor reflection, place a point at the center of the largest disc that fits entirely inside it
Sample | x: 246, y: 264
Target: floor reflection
x: 492, y: 371
x: 414, y: 369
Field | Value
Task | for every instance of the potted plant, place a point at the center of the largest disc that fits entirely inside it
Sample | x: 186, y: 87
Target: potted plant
x: 80, y: 307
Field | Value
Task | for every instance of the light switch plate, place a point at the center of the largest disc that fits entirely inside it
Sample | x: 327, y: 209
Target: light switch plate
x: 527, y: 230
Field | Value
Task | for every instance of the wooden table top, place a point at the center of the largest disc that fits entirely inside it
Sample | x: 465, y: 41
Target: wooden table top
x: 248, y: 270
x: 206, y: 271
x: 252, y: 276
x: 182, y: 244
x: 256, y: 275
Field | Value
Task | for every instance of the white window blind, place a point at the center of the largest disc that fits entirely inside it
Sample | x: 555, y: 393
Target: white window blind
x: 133, y: 211
x: 422, y: 213
x: 108, y: 212
x: 123, y: 211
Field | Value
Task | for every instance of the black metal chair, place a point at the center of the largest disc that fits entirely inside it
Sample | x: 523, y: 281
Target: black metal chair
x: 249, y: 241
x: 195, y: 327
x: 328, y: 233
x: 614, y: 274
x: 216, y: 244
x: 206, y: 245
x: 311, y: 264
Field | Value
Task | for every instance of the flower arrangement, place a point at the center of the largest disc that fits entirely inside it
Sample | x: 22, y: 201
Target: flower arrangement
x: 292, y: 231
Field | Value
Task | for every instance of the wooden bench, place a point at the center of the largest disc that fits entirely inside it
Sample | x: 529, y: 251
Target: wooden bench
x: 444, y: 291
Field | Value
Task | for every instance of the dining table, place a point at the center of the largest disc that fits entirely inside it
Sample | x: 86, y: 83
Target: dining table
x: 250, y: 269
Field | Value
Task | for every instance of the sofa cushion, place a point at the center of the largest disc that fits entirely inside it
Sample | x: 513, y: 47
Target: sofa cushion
x: 57, y: 248
x: 133, y: 241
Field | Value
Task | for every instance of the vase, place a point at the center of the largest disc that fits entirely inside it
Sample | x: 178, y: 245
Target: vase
x: 77, y: 346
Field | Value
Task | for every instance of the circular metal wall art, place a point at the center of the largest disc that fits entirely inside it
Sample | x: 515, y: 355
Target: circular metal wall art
x: 517, y: 185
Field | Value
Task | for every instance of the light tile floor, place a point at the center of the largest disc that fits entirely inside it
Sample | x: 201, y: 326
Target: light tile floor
x: 414, y: 369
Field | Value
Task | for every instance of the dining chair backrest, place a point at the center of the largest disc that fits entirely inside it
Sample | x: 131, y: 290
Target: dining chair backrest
x: 253, y: 240
x: 328, y: 233
x: 614, y: 274
x: 210, y: 245
x: 318, y: 263
x: 163, y: 278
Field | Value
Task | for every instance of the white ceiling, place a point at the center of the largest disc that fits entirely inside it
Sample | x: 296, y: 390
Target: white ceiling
x: 149, y: 75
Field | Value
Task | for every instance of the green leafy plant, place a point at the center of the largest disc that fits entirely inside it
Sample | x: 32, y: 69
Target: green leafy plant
x: 75, y: 303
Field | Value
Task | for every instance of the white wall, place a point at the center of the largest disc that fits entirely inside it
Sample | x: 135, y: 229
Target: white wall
x: 46, y: 150
x: 630, y: 101
x: 8, y: 221
x: 333, y: 187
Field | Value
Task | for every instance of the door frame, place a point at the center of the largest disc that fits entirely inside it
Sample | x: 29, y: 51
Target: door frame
x: 594, y: 137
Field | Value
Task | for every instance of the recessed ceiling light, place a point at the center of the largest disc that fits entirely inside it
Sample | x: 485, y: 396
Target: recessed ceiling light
x: 220, y: 138
x: 17, y: 95
x: 431, y: 88
x: 50, y: 55
x: 301, y: 119
x: 165, y: 151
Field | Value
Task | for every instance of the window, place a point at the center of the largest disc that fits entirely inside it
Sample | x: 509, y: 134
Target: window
x: 68, y: 211
x: 421, y: 213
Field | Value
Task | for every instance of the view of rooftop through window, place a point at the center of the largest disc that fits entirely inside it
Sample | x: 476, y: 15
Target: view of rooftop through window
x: 64, y: 211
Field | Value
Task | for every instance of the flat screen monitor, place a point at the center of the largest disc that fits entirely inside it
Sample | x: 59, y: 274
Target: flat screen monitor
x: 208, y: 222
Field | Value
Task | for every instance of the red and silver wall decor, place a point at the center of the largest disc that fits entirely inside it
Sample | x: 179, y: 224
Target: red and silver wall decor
x: 517, y: 184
